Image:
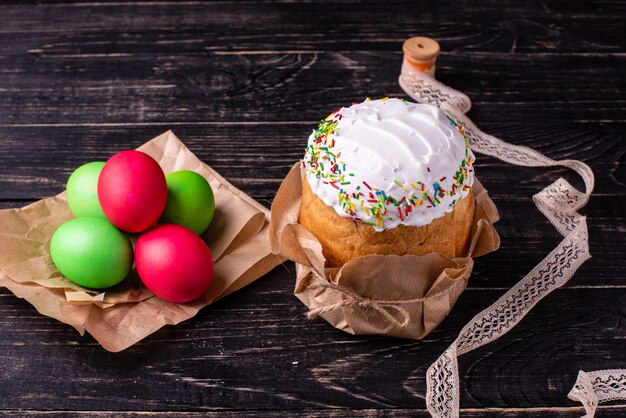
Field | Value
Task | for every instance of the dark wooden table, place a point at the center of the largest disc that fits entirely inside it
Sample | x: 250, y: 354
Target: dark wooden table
x: 243, y: 84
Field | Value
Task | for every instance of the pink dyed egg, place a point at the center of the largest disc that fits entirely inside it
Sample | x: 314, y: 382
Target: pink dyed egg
x: 174, y: 263
x: 132, y: 191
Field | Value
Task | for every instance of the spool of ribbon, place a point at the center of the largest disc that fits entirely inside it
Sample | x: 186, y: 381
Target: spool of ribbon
x: 421, y: 53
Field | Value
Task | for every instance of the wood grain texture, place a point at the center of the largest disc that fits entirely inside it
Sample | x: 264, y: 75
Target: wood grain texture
x: 37, y: 161
x: 243, y: 84
x: 157, y: 63
x: 293, y: 86
x: 257, y: 350
x: 572, y: 412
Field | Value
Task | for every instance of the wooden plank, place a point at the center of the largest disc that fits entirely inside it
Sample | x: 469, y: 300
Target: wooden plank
x: 173, y: 63
x: 256, y: 349
x: 36, y: 161
x: 50, y: 88
x: 193, y: 26
x: 573, y: 412
x: 8, y: 204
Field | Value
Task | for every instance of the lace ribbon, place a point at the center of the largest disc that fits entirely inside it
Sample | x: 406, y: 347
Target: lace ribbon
x: 592, y: 388
x: 558, y: 202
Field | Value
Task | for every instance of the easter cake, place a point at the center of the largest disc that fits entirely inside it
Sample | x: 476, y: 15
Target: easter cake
x: 388, y: 177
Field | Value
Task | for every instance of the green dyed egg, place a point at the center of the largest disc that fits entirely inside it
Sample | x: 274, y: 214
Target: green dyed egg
x: 91, y: 252
x: 190, y: 201
x: 82, y: 190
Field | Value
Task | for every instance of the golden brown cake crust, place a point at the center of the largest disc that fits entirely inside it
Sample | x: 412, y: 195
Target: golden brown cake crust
x: 343, y: 239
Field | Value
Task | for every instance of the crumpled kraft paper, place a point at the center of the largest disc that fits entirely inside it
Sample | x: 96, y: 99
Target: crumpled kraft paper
x: 401, y: 296
x: 119, y: 317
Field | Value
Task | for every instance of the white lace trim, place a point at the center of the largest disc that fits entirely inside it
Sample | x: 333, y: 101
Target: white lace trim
x: 591, y: 388
x: 558, y: 202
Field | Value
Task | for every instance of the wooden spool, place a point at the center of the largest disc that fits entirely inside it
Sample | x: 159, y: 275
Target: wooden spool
x: 421, y: 52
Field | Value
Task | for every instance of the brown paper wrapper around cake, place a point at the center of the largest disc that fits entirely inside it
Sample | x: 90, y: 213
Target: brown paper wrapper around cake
x: 400, y: 296
x: 123, y: 315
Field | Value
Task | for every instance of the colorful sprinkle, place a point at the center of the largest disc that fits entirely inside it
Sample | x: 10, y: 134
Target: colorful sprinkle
x: 323, y: 148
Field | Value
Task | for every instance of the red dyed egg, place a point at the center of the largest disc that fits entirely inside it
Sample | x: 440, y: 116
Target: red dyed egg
x: 174, y: 263
x: 132, y: 191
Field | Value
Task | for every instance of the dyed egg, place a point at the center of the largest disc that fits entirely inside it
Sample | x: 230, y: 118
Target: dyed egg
x: 132, y: 190
x: 91, y: 252
x: 82, y: 190
x: 190, y: 201
x: 174, y: 263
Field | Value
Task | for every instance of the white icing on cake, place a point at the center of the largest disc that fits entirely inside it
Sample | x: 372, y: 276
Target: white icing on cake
x: 389, y: 162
